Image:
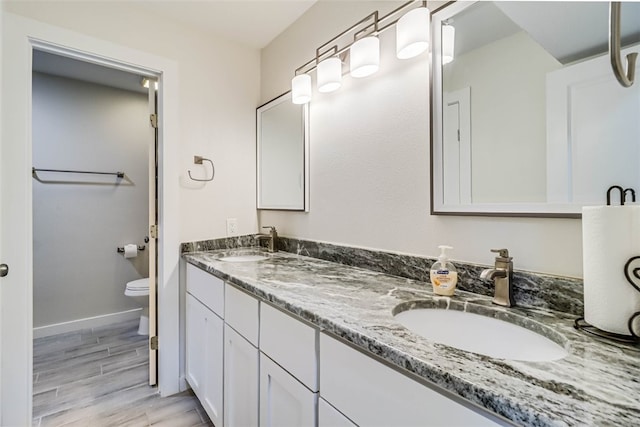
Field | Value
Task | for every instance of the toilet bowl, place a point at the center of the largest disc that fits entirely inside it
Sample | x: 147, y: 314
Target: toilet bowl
x: 139, y: 291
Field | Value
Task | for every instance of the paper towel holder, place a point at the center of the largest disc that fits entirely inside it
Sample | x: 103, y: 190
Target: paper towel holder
x: 623, y: 194
x: 634, y: 338
x: 121, y: 248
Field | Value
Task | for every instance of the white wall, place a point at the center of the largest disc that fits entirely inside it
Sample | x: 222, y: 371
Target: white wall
x: 219, y: 91
x: 78, y: 226
x: 508, y: 117
x: 370, y: 161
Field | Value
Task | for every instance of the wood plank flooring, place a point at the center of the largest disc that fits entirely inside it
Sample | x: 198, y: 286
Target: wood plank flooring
x: 98, y: 377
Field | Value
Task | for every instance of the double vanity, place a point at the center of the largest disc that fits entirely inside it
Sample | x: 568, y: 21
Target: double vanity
x: 283, y: 339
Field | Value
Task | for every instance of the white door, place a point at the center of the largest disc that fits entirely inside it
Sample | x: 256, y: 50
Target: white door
x: 15, y: 234
x: 284, y: 401
x: 152, y: 247
x: 456, y: 150
x: 586, y: 154
x: 240, y: 380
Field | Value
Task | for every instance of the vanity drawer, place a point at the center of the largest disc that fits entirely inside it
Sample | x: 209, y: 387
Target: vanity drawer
x: 207, y: 288
x: 290, y: 343
x: 372, y: 394
x: 241, y: 312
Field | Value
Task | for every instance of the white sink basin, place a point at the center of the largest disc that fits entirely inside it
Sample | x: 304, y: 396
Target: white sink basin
x: 480, y: 334
x: 243, y: 258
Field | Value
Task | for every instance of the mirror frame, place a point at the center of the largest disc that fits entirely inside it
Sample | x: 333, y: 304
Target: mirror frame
x: 285, y: 97
x: 532, y: 210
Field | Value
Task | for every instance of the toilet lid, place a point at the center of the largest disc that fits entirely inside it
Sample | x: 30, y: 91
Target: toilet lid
x: 138, y: 284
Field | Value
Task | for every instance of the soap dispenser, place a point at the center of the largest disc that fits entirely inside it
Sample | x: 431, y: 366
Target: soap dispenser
x: 443, y: 275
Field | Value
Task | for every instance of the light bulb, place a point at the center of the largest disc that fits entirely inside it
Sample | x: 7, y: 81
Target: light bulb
x: 301, y: 89
x: 448, y: 43
x: 365, y: 57
x: 329, y: 75
x: 412, y: 33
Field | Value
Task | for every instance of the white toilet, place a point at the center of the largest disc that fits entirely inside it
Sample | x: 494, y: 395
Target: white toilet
x: 139, y: 291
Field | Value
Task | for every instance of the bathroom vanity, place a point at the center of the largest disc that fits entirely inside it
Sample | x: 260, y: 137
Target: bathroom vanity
x: 312, y: 342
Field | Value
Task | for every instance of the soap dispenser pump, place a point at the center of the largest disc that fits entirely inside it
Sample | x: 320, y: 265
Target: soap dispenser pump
x: 443, y: 274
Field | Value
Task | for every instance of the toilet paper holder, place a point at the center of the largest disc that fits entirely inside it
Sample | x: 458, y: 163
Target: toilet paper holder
x: 121, y: 248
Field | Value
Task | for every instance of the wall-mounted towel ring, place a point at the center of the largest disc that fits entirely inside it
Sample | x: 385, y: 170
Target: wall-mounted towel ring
x: 198, y: 161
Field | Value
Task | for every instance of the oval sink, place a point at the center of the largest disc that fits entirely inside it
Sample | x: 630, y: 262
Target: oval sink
x: 243, y: 255
x: 243, y: 258
x: 481, y: 334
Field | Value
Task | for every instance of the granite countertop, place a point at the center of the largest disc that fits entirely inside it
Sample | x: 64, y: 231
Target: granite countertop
x: 597, y: 384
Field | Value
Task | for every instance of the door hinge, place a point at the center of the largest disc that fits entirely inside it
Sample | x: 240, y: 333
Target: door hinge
x: 153, y: 231
x: 154, y: 120
x: 153, y: 343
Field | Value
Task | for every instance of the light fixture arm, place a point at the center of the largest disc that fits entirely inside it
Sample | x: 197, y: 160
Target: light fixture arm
x: 625, y: 79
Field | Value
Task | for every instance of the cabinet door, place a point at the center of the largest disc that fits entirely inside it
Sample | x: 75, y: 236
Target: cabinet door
x: 241, y: 380
x: 195, y: 327
x: 328, y: 416
x: 204, y: 356
x: 284, y: 401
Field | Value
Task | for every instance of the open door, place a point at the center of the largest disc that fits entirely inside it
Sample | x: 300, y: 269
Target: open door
x: 153, y: 233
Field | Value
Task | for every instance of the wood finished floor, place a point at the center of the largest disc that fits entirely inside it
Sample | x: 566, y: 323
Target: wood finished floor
x: 98, y: 377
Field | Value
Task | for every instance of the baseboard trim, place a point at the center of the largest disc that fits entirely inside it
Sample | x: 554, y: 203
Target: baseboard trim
x: 86, y: 323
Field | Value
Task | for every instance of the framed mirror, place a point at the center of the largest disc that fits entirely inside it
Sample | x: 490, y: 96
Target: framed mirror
x: 283, y: 155
x: 528, y: 119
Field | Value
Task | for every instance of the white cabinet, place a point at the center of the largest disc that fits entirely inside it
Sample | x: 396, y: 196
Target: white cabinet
x: 372, y: 394
x: 241, y: 359
x: 328, y: 416
x: 204, y: 356
x: 291, y: 343
x: 284, y: 401
x: 241, y: 312
x: 288, y: 370
x: 241, y: 381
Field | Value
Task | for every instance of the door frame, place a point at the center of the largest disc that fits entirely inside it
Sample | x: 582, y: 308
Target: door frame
x: 20, y: 36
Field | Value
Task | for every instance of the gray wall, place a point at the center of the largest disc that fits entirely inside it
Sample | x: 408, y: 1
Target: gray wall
x: 80, y: 220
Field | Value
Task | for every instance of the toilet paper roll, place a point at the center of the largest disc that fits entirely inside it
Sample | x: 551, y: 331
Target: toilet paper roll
x: 610, y: 236
x: 130, y: 250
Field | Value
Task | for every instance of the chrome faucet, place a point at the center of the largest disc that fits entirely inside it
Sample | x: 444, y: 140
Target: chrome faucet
x: 502, y: 275
x: 272, y: 236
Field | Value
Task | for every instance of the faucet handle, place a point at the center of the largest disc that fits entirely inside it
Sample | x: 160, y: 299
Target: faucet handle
x: 502, y: 253
x: 270, y: 227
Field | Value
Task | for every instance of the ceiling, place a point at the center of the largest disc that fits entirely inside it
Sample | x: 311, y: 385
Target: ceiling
x: 253, y: 23
x: 568, y: 30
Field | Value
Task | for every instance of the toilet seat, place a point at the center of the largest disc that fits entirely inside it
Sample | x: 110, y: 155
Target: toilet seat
x: 137, y: 287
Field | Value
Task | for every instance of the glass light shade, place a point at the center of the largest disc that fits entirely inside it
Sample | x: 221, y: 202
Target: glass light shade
x: 301, y: 89
x: 365, y: 57
x: 329, y: 75
x: 448, y: 43
x: 412, y: 33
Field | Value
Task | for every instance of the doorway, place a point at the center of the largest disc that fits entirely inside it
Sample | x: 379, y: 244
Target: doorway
x: 94, y: 199
x: 20, y: 37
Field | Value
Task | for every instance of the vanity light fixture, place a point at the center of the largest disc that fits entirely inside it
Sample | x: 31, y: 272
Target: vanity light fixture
x: 363, y: 49
x: 301, y: 89
x: 365, y: 57
x: 329, y: 75
x: 412, y: 33
x: 448, y: 43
